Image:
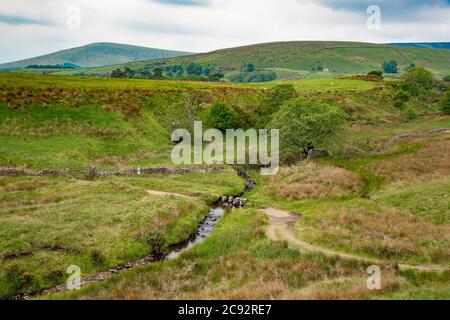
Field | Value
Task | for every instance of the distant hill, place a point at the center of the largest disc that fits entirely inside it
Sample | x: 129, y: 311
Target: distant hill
x: 299, y: 59
x: 96, y: 55
x: 429, y: 45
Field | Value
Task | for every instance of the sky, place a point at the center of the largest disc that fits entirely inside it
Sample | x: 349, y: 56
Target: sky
x: 30, y: 28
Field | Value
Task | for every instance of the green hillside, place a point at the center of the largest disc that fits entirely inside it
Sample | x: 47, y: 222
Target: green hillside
x: 431, y: 45
x: 96, y: 55
x: 300, y: 60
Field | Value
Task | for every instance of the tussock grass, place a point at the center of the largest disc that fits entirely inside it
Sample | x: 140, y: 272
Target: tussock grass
x: 310, y: 180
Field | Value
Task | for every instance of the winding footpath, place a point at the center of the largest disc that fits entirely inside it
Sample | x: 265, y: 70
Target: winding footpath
x: 281, y: 228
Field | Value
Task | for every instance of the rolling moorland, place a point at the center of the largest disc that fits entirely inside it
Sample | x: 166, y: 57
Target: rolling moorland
x: 294, y: 60
x: 92, y: 55
x: 310, y: 232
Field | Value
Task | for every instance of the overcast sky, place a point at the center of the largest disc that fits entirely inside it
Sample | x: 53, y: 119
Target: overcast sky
x: 34, y: 27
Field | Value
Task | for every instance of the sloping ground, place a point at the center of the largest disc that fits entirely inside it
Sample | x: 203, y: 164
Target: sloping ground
x: 339, y: 57
x: 281, y: 229
x: 96, y: 55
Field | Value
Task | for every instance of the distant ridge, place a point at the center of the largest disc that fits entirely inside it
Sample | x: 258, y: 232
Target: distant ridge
x: 96, y: 55
x: 427, y: 45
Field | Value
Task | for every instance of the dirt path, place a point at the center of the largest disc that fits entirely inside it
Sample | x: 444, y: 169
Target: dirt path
x: 168, y: 194
x: 280, y: 228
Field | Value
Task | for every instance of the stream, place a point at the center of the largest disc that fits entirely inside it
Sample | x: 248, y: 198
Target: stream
x: 205, y: 228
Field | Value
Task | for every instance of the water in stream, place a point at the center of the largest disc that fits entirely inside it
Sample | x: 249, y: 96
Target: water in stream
x: 205, y: 228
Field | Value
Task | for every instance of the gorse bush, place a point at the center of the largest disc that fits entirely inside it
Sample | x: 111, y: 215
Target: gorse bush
x: 306, y: 124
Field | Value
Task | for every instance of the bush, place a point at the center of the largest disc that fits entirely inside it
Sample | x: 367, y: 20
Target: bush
x: 306, y: 124
x: 376, y: 73
x: 447, y: 78
x: 418, y: 81
x: 411, y: 114
x: 19, y: 280
x: 97, y: 257
x: 445, y: 103
x: 157, y: 242
x: 401, y: 98
x: 221, y: 117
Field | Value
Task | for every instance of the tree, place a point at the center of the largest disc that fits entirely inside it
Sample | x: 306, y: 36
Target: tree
x: 194, y: 69
x: 445, y: 103
x: 277, y: 96
x: 418, y: 80
x: 157, y: 73
x: 250, y: 67
x: 221, y: 117
x: 390, y: 67
x: 447, y: 78
x: 216, y: 76
x: 306, y: 124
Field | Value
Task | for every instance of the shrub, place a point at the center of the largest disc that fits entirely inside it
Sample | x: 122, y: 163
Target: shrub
x: 157, y: 242
x: 445, y: 103
x: 447, y: 78
x: 376, y: 73
x: 19, y: 280
x: 221, y: 117
x: 97, y: 257
x: 306, y: 124
x: 401, y: 98
x: 418, y: 80
x: 411, y: 114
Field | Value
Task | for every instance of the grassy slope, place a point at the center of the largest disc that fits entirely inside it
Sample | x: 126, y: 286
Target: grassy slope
x: 47, y: 224
x: 96, y: 55
x: 343, y: 57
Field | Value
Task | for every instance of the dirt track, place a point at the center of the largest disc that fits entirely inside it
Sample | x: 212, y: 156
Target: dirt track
x: 280, y: 228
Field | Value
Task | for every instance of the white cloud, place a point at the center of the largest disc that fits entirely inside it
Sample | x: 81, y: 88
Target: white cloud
x: 220, y: 24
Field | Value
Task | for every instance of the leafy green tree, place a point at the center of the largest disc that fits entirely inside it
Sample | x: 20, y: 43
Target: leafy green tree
x: 390, y: 66
x: 221, y: 116
x: 445, y: 103
x: 250, y: 67
x: 306, y: 124
x: 278, y: 95
x: 157, y: 73
x: 447, y: 78
x: 216, y: 76
x: 194, y: 69
x: 418, y: 80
